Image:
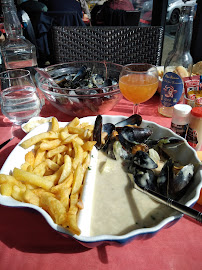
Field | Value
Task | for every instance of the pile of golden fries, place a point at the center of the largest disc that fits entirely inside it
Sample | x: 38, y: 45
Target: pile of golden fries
x: 53, y: 172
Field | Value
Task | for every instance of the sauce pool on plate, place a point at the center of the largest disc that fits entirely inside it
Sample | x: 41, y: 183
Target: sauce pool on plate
x: 117, y: 207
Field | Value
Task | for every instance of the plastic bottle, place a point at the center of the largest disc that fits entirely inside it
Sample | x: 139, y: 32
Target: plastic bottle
x: 17, y: 51
x: 180, y: 119
x: 178, y: 64
x: 194, y: 133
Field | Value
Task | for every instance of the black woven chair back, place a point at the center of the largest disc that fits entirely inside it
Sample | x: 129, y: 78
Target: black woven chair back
x: 121, y: 45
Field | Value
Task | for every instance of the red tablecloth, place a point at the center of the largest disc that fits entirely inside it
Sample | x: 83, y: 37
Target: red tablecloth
x: 28, y: 242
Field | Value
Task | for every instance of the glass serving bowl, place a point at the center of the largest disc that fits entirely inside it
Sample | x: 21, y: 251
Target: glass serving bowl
x: 82, y: 101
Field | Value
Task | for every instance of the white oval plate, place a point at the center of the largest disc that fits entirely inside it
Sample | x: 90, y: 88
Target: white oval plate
x: 185, y: 155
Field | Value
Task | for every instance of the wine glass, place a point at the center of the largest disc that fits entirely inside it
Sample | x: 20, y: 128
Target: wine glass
x: 138, y: 83
x: 18, y: 97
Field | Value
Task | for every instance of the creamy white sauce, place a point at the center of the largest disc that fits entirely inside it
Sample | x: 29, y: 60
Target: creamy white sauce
x: 117, y: 207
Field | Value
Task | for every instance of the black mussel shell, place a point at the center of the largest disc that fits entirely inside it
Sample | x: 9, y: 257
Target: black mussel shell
x: 170, y: 141
x: 145, y: 178
x: 171, y: 185
x: 97, y: 131
x: 143, y: 160
x: 178, y: 184
x: 134, y: 119
x: 164, y: 178
x: 135, y: 134
x: 165, y: 141
x: 80, y: 74
x: 108, y: 129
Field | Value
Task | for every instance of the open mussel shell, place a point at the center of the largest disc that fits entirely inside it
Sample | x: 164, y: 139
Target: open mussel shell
x: 145, y: 178
x: 80, y: 74
x: 99, y: 128
x: 108, y: 128
x: 134, y: 119
x: 164, y: 176
x: 165, y: 142
x: 143, y: 160
x: 97, y: 132
x: 181, y: 180
x: 130, y: 136
x: 173, y: 185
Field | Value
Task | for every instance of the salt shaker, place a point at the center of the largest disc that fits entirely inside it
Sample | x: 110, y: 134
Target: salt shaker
x: 180, y: 119
x: 194, y: 132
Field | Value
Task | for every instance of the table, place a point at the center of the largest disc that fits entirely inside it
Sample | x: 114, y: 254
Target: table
x: 28, y: 242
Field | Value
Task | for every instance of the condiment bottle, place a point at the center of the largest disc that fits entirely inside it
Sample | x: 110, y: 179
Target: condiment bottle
x: 17, y: 51
x: 180, y: 119
x: 194, y: 133
x: 178, y: 64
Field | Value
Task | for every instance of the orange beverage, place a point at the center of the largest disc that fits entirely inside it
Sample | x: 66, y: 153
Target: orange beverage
x: 138, y: 88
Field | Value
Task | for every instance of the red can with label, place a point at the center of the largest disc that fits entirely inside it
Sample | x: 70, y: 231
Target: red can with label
x: 194, y: 133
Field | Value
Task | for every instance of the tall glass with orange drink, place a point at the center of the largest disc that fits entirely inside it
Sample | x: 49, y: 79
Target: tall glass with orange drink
x: 138, y: 83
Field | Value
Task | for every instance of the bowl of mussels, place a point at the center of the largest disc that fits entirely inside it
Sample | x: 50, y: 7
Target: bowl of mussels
x: 81, y: 88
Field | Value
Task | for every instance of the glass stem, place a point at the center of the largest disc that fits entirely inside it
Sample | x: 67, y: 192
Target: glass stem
x: 136, y: 109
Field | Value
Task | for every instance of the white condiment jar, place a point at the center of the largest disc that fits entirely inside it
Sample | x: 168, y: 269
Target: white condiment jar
x: 194, y: 133
x: 180, y: 119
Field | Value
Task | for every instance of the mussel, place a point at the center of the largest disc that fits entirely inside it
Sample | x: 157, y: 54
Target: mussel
x: 84, y: 79
x: 108, y: 128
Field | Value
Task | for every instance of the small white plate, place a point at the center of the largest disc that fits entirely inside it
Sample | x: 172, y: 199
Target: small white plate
x: 35, y: 122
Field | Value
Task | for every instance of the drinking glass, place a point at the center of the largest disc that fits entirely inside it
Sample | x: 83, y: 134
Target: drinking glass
x: 138, y: 83
x: 19, y: 98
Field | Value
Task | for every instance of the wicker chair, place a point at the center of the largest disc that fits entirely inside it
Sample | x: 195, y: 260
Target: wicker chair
x: 118, y: 44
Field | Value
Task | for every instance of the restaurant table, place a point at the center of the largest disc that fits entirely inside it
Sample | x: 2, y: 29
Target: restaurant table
x: 28, y: 242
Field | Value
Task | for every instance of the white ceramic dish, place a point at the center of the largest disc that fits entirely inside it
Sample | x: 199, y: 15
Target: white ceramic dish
x: 189, y: 198
x: 35, y: 122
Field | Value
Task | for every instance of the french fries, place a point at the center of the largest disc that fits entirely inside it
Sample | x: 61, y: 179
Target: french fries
x: 53, y: 172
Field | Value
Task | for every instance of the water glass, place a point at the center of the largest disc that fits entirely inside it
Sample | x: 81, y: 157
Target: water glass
x: 18, y: 96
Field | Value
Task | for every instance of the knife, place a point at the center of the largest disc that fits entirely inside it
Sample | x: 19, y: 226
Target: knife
x: 4, y: 143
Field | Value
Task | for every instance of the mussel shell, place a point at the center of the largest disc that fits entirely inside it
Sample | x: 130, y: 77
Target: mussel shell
x: 170, y: 141
x: 135, y: 134
x: 165, y: 141
x: 143, y: 160
x: 80, y: 74
x: 180, y: 181
x: 108, y: 128
x: 97, y: 79
x: 144, y: 178
x: 134, y: 119
x: 164, y: 178
x: 97, y: 131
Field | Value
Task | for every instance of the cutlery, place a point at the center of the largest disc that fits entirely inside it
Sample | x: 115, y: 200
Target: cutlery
x: 4, y: 143
x: 168, y: 201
